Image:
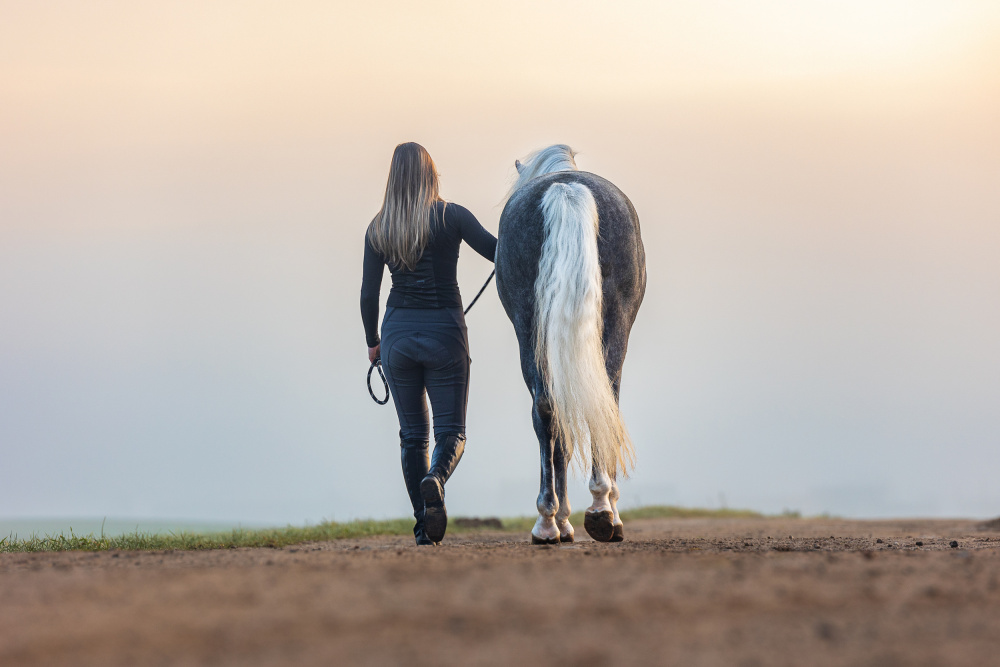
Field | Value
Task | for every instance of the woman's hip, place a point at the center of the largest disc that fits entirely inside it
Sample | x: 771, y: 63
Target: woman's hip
x: 431, y: 317
x: 445, y: 325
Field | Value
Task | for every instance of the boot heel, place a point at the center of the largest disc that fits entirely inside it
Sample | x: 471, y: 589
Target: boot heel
x: 435, y: 514
x: 447, y: 453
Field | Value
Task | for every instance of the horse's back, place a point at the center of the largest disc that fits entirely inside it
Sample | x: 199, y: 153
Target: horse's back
x: 620, y: 249
x: 617, y: 215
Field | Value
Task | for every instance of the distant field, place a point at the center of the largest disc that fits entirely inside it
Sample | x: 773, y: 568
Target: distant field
x: 95, y: 535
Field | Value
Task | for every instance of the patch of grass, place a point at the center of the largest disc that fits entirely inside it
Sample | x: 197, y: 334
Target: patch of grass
x: 239, y: 537
x: 282, y: 537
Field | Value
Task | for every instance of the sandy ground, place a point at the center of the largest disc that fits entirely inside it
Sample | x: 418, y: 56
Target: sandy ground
x: 684, y: 592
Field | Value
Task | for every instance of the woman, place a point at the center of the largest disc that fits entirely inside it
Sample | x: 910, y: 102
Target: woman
x: 424, y: 346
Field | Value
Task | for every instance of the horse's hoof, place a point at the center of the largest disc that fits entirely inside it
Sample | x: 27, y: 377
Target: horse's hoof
x: 619, y: 533
x: 566, y: 538
x: 599, y: 525
x: 544, y: 540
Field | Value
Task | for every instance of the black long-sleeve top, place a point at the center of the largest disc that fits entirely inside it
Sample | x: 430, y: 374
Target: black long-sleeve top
x: 433, y: 283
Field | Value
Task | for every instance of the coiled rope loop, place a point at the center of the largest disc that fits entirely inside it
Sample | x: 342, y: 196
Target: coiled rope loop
x: 378, y: 364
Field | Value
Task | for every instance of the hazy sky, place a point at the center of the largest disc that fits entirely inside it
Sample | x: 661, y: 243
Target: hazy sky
x: 184, y: 189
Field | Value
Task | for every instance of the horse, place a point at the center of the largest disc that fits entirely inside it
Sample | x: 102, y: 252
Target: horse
x: 571, y: 275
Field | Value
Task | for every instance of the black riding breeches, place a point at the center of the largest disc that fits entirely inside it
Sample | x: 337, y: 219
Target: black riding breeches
x: 426, y: 350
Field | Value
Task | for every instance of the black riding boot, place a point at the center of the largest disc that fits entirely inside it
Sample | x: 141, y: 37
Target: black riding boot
x: 447, y: 453
x: 415, y: 466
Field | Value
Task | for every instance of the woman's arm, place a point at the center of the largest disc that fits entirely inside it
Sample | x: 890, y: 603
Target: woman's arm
x: 371, y: 286
x: 472, y: 232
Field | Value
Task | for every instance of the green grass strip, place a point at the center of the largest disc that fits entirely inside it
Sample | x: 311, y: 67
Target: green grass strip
x: 281, y: 537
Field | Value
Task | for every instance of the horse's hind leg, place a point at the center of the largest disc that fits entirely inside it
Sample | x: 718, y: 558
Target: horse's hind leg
x: 562, y: 494
x: 545, y: 531
x: 600, y: 516
x: 618, y: 532
x: 601, y: 519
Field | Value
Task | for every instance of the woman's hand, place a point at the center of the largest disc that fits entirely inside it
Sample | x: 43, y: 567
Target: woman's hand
x: 373, y: 353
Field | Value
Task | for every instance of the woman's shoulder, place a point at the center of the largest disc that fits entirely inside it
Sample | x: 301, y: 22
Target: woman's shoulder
x: 453, y: 211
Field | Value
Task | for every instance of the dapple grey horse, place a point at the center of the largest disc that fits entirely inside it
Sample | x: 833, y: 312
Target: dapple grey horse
x: 571, y: 273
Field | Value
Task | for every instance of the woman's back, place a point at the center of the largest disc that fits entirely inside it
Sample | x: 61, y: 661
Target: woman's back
x: 433, y: 282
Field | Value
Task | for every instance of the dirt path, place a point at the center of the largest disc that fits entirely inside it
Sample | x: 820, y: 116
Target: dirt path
x: 686, y: 592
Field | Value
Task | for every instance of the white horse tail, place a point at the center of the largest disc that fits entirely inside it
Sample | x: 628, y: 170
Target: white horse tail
x: 569, y: 326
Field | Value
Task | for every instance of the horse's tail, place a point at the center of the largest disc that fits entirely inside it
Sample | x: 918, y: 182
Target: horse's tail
x: 569, y: 326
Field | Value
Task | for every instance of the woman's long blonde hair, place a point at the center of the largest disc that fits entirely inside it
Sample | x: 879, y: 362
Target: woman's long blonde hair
x: 401, y: 229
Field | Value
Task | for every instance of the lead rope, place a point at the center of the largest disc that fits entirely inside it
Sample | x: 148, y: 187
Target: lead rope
x: 378, y: 364
x: 378, y: 360
x: 480, y: 292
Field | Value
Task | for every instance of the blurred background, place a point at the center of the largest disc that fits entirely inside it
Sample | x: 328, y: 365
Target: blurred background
x: 184, y: 189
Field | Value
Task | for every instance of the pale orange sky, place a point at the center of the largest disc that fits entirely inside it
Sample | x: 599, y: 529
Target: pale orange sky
x: 86, y: 78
